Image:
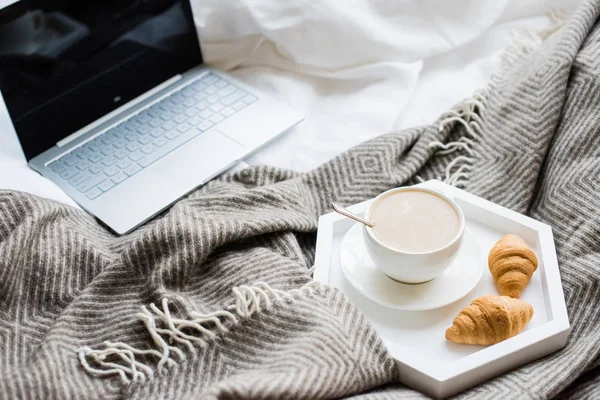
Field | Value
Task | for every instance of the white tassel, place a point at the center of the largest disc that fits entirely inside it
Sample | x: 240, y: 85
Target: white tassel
x: 249, y: 300
x: 468, y: 113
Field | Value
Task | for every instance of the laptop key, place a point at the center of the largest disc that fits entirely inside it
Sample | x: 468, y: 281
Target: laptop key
x: 91, y: 182
x: 84, y: 164
x: 212, y: 99
x: 190, y: 112
x: 96, y: 168
x: 145, y: 139
x: 194, y: 120
x: 143, y: 117
x: 183, y: 127
x: 95, y: 157
x: 226, y: 91
x: 106, y: 185
x: 120, y: 143
x: 232, y: 98
x: 198, y: 85
x: 167, y: 126
x: 58, y: 166
x: 188, y: 92
x: 122, y: 153
x: 119, y: 177
x: 221, y: 84
x: 147, y: 149
x: 132, y: 169
x: 239, y: 105
x: 69, y: 173
x: 136, y: 155
x: 217, y: 107
x: 92, y: 194
x: 172, y: 135
x: 178, y: 109
x: 107, y: 138
x: 119, y: 131
x: 200, y: 96
x: 96, y: 145
x: 110, y: 160
x: 209, y: 78
x: 205, y: 125
x: 167, y: 116
x: 211, y: 90
x: 88, y: 147
x: 206, y: 114
x: 203, y: 105
x: 108, y: 150
x: 157, y: 132
x: 160, y: 142
x: 165, y: 105
x: 179, y: 119
x: 189, y: 103
x: 155, y: 122
x: 155, y: 110
x: 79, y: 178
x: 110, y: 171
x: 228, y: 112
x: 131, y: 136
x: 132, y: 125
x: 177, y: 98
x: 82, y: 153
x: 70, y: 160
x: 249, y: 99
x: 133, y: 146
x: 123, y: 163
x: 144, y: 129
x: 217, y: 118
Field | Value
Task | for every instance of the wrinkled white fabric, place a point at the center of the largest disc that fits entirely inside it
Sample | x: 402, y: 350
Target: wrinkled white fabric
x: 356, y: 69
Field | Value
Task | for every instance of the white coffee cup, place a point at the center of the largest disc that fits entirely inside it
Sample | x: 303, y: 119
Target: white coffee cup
x: 411, y: 267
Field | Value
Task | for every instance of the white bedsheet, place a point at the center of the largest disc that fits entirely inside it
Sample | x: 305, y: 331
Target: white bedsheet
x: 356, y: 69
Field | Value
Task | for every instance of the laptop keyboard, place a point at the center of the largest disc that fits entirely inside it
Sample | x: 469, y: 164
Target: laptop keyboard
x: 123, y: 151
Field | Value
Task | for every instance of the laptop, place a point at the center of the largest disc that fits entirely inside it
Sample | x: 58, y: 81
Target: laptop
x: 111, y: 101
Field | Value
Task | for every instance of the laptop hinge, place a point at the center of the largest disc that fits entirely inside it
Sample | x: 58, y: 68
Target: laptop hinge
x: 119, y: 110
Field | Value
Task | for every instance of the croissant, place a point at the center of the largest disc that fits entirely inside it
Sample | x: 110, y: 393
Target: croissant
x: 511, y: 263
x: 489, y: 320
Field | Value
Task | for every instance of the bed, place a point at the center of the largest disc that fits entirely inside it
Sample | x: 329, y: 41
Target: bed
x: 214, y: 298
x: 355, y: 71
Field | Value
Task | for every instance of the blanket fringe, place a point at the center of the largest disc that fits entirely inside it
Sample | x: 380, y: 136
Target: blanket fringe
x: 469, y: 112
x: 526, y: 40
x: 167, y: 332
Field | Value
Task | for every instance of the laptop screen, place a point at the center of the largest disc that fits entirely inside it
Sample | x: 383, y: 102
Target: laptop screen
x: 66, y: 63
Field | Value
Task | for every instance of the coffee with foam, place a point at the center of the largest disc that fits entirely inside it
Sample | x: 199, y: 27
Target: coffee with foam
x: 414, y: 221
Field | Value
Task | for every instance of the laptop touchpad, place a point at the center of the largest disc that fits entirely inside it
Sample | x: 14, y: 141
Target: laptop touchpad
x: 200, y: 159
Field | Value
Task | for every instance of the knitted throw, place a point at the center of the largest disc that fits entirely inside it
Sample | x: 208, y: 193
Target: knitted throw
x: 213, y: 299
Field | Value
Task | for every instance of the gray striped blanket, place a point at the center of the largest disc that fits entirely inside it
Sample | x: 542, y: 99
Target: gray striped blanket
x: 213, y: 299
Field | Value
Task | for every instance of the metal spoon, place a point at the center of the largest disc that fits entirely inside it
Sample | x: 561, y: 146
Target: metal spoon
x: 341, y: 210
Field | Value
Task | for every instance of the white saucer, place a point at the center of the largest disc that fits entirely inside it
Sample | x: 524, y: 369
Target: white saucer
x: 456, y: 282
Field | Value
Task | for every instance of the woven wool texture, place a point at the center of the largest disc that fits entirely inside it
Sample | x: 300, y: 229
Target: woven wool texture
x: 70, y: 290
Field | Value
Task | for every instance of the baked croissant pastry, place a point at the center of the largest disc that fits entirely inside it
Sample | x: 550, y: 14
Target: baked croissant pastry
x: 511, y: 263
x: 489, y: 320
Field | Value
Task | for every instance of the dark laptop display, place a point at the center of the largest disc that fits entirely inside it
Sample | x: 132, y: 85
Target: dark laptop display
x: 66, y: 63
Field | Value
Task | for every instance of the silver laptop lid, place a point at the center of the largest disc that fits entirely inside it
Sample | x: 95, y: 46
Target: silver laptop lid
x: 64, y: 64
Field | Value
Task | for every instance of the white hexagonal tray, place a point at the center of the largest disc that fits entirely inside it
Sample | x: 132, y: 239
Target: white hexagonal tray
x: 426, y: 360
